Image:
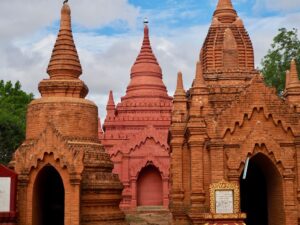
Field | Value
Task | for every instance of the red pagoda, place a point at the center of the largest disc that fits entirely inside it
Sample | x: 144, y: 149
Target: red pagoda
x: 136, y: 131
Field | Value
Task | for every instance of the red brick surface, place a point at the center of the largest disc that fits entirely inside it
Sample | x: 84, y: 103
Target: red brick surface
x: 136, y: 130
x: 62, y: 132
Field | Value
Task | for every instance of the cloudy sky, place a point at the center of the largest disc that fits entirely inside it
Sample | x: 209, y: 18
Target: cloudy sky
x: 108, y: 35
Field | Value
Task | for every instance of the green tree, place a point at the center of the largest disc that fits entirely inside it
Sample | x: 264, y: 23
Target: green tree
x: 285, y: 47
x: 13, y: 105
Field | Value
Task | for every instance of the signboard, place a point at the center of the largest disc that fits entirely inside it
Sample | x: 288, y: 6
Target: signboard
x: 224, y: 198
x: 224, y: 201
x: 5, y: 187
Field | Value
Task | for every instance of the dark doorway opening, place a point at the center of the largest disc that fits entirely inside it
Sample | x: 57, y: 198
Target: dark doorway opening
x: 261, y: 193
x: 149, y: 187
x: 48, y: 198
x: 254, y: 196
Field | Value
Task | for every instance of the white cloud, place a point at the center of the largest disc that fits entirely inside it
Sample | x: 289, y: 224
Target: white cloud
x: 26, y: 45
x: 24, y: 17
x: 277, y: 5
x: 25, y: 49
x: 263, y: 30
x: 102, y: 12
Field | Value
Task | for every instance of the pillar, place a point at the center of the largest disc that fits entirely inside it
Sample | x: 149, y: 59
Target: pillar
x: 165, y: 192
x: 133, y: 192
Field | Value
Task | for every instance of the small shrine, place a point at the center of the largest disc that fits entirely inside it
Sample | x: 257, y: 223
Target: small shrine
x: 136, y: 132
x: 64, y: 174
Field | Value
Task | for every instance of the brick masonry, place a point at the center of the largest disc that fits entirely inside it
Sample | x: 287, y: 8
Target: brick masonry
x: 136, y: 131
x: 228, y: 115
x: 62, y: 134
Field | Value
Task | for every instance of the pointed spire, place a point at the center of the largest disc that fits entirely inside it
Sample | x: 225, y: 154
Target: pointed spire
x: 110, y: 103
x: 227, y: 29
x: 146, y: 74
x: 179, y: 88
x: 100, y: 131
x: 146, y: 60
x: 287, y: 78
x: 199, y: 79
x: 224, y: 4
x: 292, y: 85
x: 64, y: 62
x: 293, y: 76
x: 64, y: 67
x: 225, y: 11
x: 239, y: 22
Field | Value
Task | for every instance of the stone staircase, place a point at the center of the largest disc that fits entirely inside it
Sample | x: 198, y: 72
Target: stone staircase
x: 150, y: 215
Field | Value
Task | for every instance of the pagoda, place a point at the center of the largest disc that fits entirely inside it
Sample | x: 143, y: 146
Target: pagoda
x: 64, y: 174
x: 136, y: 131
x: 234, y: 142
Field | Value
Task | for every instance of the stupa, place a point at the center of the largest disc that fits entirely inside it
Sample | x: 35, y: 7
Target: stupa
x: 136, y: 131
x: 64, y: 174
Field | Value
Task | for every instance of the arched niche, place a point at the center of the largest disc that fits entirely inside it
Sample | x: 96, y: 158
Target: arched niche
x: 149, y: 187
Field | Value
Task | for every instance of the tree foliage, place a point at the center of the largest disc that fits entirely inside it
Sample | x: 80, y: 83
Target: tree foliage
x: 13, y: 105
x: 285, y: 47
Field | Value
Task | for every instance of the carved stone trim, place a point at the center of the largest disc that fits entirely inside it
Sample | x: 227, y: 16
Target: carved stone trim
x: 225, y: 186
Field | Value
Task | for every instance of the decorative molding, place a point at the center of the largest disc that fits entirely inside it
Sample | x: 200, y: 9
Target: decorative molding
x: 135, y: 142
x: 249, y: 101
x: 260, y: 137
x: 225, y: 186
x: 50, y: 141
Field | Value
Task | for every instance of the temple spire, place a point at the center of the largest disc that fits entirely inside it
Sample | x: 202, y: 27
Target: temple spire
x: 179, y: 87
x: 287, y: 78
x: 100, y: 131
x: 146, y: 55
x: 199, y: 79
x: 227, y: 46
x: 64, y: 62
x: 180, y: 100
x: 110, y: 103
x: 225, y: 11
x: 146, y: 74
x: 64, y: 67
x: 293, y: 75
x: 224, y: 4
x: 292, y: 86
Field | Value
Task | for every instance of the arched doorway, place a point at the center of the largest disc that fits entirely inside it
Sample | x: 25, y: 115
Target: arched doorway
x: 261, y: 193
x: 48, y: 198
x: 149, y: 187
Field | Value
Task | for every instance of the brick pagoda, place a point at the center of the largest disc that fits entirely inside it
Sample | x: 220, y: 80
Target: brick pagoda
x: 64, y: 174
x: 227, y: 118
x: 136, y: 131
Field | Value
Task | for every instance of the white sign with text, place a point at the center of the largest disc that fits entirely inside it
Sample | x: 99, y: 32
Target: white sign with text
x: 224, y: 201
x: 5, y: 183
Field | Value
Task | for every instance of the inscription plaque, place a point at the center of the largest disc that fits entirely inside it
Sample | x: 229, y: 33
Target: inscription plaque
x: 224, y: 198
x: 224, y: 201
x: 5, y: 183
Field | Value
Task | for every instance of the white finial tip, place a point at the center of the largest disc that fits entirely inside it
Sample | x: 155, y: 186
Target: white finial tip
x: 146, y: 21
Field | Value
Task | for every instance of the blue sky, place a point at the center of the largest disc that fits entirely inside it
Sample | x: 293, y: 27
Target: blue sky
x: 108, y: 35
x: 169, y: 14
